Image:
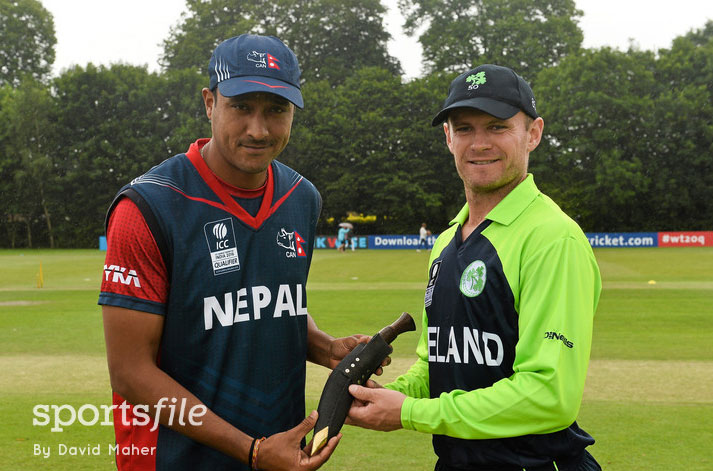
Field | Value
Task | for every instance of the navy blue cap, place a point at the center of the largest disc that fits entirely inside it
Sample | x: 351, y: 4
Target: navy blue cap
x: 251, y: 63
x: 494, y: 89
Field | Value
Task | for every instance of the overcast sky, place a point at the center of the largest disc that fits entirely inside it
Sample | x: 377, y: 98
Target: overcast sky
x: 131, y: 31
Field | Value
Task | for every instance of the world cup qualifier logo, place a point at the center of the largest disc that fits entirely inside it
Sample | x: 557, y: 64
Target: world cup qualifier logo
x: 220, y: 237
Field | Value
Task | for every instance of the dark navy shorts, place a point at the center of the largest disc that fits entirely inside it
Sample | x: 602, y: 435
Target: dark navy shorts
x: 588, y: 464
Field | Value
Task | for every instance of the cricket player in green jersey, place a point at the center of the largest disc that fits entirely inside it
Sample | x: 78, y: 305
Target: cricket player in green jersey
x: 512, y: 290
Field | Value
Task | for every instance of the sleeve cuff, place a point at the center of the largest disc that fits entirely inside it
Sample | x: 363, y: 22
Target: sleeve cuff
x: 406, y: 413
x: 128, y: 302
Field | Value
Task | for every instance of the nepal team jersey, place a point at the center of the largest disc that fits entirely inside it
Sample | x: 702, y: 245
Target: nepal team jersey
x: 232, y: 295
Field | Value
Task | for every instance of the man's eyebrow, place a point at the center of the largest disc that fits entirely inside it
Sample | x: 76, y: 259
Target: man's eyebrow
x: 276, y: 99
x: 280, y: 101
x: 461, y: 121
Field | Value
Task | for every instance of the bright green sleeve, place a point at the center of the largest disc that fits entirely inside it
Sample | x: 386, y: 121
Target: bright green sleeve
x: 559, y: 290
x: 414, y: 383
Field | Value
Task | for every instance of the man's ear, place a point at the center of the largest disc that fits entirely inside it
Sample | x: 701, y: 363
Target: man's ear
x: 448, y: 135
x: 535, y: 134
x: 208, y: 101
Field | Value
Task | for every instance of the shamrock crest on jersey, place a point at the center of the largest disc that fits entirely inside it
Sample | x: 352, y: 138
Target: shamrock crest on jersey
x: 472, y: 281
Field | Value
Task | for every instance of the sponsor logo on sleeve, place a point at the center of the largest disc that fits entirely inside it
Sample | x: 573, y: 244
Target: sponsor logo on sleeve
x: 220, y: 236
x: 557, y: 336
x: 117, y: 274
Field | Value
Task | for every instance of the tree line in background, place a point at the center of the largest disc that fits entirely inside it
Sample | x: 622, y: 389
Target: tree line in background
x: 628, y: 142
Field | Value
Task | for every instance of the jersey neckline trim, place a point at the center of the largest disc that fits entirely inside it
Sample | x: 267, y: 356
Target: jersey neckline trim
x: 228, y: 202
x: 510, y: 207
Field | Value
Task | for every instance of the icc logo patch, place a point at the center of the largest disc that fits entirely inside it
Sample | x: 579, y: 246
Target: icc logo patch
x: 472, y: 281
x: 220, y: 236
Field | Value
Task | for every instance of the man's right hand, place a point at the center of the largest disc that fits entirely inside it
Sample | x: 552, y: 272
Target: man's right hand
x: 282, y: 451
x: 375, y: 407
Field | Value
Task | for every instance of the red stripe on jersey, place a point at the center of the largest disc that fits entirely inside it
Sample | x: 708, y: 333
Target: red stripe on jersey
x: 136, y: 443
x: 223, y: 190
x: 230, y: 205
x: 282, y: 200
x: 133, y: 265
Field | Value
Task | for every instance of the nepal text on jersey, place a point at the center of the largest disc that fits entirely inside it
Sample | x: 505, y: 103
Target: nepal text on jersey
x: 252, y: 303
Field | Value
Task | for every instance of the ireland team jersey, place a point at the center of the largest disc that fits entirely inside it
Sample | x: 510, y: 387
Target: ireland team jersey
x: 507, y: 329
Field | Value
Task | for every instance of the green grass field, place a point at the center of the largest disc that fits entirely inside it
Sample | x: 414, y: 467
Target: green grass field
x: 648, y: 399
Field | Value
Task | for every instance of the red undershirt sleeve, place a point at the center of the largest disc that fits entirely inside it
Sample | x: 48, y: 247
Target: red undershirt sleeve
x: 135, y: 276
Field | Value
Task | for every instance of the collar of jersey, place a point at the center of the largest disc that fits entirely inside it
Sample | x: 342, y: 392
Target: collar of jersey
x: 242, y: 192
x: 507, y: 210
x: 228, y: 203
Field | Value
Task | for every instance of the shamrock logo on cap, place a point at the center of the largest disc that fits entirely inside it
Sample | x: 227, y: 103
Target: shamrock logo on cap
x: 476, y: 79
